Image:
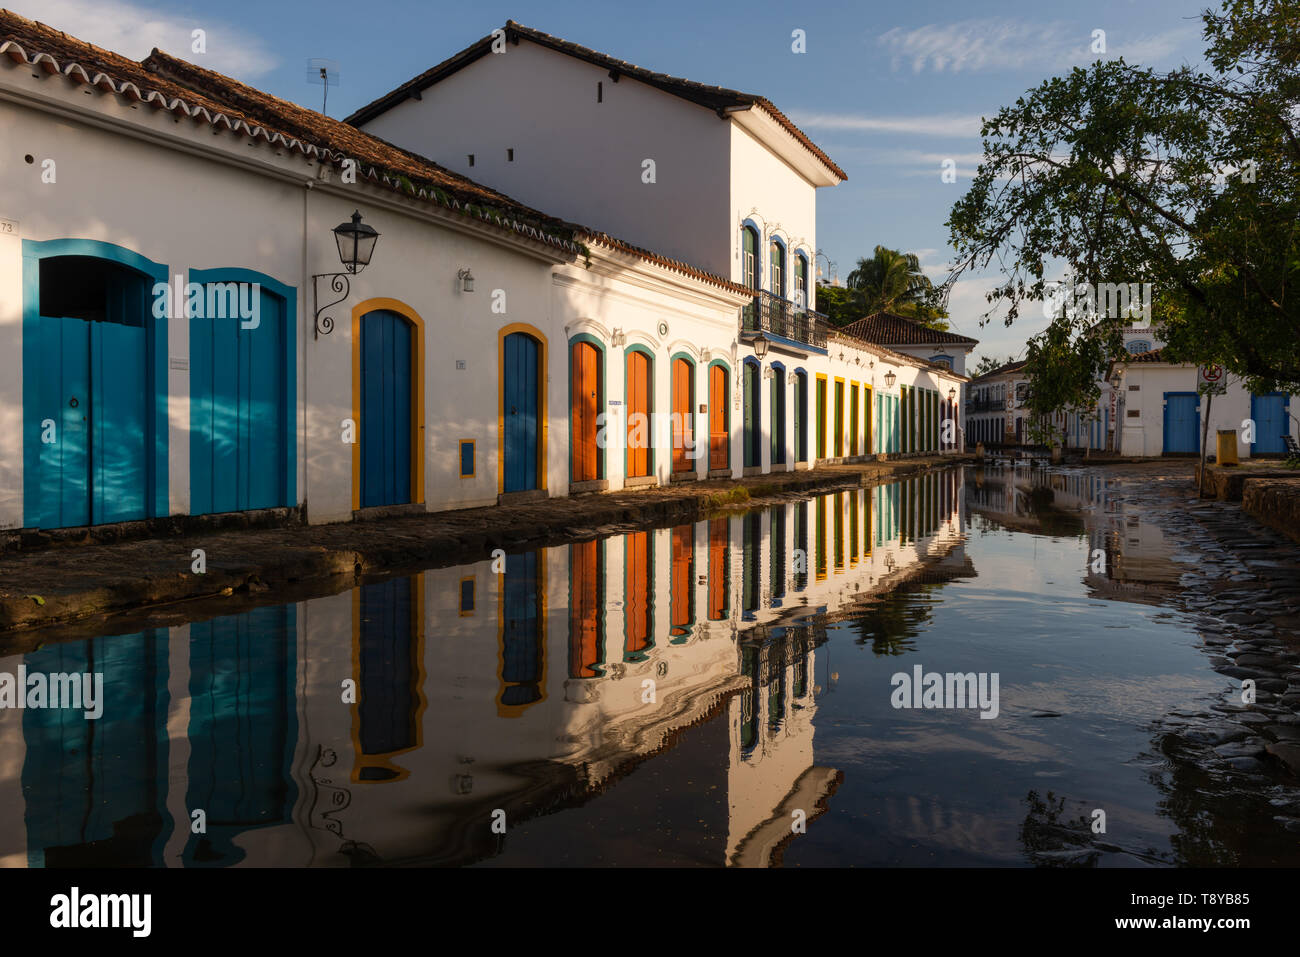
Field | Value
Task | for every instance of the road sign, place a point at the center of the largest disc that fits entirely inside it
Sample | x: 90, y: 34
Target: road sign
x: 1210, y: 378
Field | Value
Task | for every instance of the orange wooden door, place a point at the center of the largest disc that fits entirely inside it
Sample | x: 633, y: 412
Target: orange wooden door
x: 719, y: 446
x: 683, y: 374
x: 585, y: 394
x: 585, y: 611
x: 638, y: 414
x: 683, y: 583
x: 637, y: 603
x: 719, y: 536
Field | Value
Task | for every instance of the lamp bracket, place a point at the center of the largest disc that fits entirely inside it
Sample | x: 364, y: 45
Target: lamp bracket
x: 338, y: 283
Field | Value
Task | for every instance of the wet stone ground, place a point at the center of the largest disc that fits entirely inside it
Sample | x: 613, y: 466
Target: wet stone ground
x: 1240, y: 582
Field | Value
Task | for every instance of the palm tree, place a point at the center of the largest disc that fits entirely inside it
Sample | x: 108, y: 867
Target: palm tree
x: 892, y: 281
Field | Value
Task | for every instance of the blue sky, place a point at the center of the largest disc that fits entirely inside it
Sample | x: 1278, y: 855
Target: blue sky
x: 888, y: 90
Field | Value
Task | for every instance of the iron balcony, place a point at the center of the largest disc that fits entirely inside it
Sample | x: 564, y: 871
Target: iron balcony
x: 781, y: 317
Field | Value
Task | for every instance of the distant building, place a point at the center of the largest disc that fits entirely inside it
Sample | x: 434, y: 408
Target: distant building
x: 995, y: 413
x: 909, y: 336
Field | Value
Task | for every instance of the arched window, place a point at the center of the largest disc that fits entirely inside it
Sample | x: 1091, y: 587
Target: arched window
x: 1138, y: 346
x: 749, y: 256
x: 777, y: 274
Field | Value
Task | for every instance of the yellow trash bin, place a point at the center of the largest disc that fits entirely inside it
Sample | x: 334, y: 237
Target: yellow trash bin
x: 1227, y: 450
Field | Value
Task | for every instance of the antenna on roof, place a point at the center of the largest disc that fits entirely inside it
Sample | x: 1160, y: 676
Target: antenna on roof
x: 326, y: 73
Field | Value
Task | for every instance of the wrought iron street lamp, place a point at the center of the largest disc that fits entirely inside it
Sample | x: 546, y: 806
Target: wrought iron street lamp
x: 952, y: 395
x: 889, y: 379
x: 760, y: 345
x: 356, y: 244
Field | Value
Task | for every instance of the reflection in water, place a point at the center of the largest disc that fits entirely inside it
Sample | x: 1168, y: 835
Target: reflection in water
x: 690, y: 650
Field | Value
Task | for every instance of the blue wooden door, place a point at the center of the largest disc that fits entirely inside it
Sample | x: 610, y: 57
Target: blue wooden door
x: 1182, y: 422
x: 385, y: 409
x: 1271, y: 422
x: 94, y: 388
x: 520, y: 412
x: 238, y: 411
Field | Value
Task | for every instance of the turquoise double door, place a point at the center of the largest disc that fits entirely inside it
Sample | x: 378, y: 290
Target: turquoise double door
x: 242, y: 397
x: 93, y: 443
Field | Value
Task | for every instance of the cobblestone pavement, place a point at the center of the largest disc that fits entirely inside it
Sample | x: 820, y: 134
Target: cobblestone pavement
x: 1240, y: 586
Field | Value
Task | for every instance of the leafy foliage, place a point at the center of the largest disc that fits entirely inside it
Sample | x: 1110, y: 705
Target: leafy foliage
x: 1188, y: 179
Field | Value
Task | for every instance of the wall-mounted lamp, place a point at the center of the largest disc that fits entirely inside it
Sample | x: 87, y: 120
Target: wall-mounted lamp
x: 466, y: 280
x: 760, y: 346
x: 889, y: 379
x: 356, y: 244
x: 952, y: 395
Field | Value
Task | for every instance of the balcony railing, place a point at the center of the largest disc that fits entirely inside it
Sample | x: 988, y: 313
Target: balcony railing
x: 781, y: 317
x: 986, y: 405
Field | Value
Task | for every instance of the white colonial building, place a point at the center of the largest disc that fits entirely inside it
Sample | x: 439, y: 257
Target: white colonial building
x: 196, y: 316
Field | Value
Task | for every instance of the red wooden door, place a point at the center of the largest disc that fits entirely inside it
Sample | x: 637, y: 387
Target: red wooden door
x: 683, y: 417
x: 585, y: 395
x: 719, y: 444
x: 638, y: 414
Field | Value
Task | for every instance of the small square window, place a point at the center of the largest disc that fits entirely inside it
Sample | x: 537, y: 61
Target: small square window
x: 466, y: 596
x: 466, y: 458
x: 510, y: 155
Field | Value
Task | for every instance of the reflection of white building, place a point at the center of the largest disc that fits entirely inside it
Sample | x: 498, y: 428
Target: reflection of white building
x: 388, y: 722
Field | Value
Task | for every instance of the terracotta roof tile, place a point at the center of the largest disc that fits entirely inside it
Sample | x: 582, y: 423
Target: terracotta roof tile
x: 715, y: 98
x: 183, y: 88
x: 886, y: 327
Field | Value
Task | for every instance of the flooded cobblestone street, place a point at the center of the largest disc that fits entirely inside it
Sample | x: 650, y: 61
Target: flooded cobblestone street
x: 719, y: 693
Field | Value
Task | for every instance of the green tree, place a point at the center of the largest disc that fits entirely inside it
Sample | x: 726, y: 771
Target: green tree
x: 1188, y: 180
x: 838, y: 304
x: 892, y: 281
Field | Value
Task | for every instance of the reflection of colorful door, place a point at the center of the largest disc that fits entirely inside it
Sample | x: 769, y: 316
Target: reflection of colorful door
x: 586, y: 610
x: 1271, y: 422
x: 241, y: 405
x: 638, y: 604
x: 96, y: 789
x: 638, y: 414
x: 719, y: 568
x: 683, y: 414
x: 387, y: 367
x: 719, y: 414
x: 521, y: 636
x: 520, y: 393
x: 683, y: 580
x: 1181, y: 420
x: 243, y: 728
x: 584, y: 393
x: 388, y: 657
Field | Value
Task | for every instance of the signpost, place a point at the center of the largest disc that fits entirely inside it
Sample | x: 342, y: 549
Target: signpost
x: 1209, y: 382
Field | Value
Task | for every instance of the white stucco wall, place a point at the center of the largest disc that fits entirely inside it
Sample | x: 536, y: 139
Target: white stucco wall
x: 575, y: 157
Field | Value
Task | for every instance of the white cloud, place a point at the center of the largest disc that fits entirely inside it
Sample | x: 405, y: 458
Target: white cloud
x: 1003, y: 43
x: 133, y: 30
x: 925, y: 125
